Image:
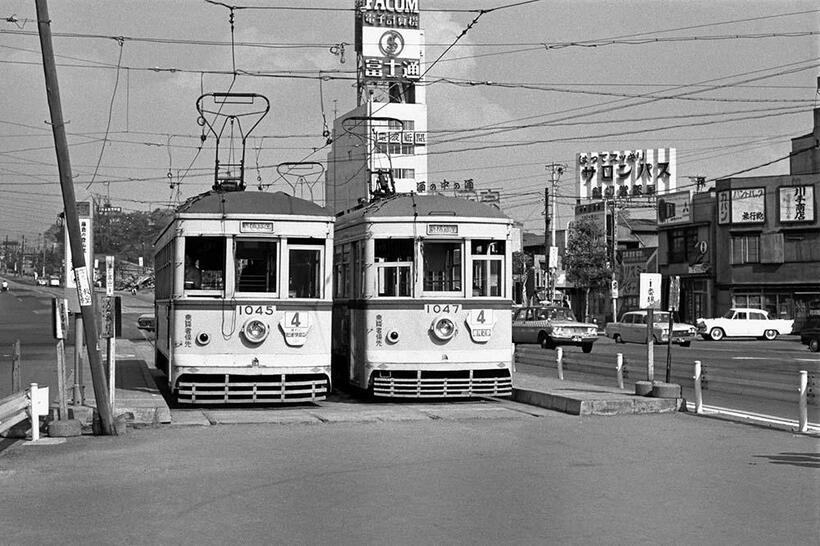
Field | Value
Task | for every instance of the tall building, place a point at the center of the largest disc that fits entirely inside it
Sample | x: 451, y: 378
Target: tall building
x: 380, y: 146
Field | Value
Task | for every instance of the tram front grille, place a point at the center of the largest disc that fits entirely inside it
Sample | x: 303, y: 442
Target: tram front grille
x: 251, y: 389
x: 442, y: 384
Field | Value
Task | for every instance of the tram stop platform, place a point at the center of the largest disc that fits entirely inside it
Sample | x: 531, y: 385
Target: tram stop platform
x: 577, y: 398
x: 137, y: 400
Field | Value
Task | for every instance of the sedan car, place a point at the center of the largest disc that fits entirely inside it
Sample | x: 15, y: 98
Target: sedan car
x: 744, y: 322
x: 146, y: 322
x: 633, y: 327
x: 552, y: 326
x: 810, y: 334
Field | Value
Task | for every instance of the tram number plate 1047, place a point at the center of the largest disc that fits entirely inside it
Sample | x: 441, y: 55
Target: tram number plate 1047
x: 442, y: 308
x: 255, y: 309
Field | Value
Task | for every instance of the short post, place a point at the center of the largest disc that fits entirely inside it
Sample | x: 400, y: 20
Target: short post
x: 650, y: 345
x: 78, y: 360
x: 698, y: 391
x: 559, y: 360
x: 619, y: 370
x: 16, y: 357
x: 803, y: 390
x: 112, y: 368
x: 61, y: 386
x: 32, y: 412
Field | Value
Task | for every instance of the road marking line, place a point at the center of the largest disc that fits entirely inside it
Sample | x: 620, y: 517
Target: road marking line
x: 750, y: 358
x: 752, y: 416
x: 808, y: 359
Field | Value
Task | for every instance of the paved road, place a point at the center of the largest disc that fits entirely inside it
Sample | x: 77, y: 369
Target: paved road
x: 516, y: 479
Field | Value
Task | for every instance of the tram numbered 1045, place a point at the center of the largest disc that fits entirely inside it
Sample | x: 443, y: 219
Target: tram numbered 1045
x: 422, y: 298
x: 243, y: 299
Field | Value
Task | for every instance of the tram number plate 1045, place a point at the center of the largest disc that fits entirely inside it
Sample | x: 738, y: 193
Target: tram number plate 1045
x: 437, y: 308
x: 255, y: 310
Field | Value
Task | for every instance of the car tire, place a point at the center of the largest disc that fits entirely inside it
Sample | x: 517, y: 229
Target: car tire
x: 770, y: 335
x: 686, y: 344
x: 717, y: 334
x: 544, y: 341
x: 586, y: 347
x: 618, y: 338
x: 814, y: 344
x: 705, y: 337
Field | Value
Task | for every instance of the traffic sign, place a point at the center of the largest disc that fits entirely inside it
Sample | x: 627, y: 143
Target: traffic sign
x: 650, y: 291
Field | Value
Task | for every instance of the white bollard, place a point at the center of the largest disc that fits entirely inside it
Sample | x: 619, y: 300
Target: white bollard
x: 34, y: 417
x: 698, y: 391
x: 803, y: 389
x: 619, y: 370
x: 559, y: 360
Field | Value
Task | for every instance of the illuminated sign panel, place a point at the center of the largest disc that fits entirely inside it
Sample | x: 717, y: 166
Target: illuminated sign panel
x: 748, y: 206
x: 796, y: 203
x: 389, y: 13
x: 674, y: 208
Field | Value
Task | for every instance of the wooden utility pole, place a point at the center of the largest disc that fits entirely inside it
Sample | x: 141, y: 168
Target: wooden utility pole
x: 84, y: 290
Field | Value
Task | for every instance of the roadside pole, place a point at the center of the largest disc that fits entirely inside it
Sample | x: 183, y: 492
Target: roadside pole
x: 650, y: 284
x: 650, y: 345
x: 674, y: 304
x: 84, y: 292
x: 109, y: 330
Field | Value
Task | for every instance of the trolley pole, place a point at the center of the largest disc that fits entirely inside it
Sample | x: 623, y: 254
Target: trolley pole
x: 84, y: 292
x: 547, y: 242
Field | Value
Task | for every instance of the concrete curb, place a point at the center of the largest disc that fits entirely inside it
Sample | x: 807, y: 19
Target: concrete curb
x: 605, y: 404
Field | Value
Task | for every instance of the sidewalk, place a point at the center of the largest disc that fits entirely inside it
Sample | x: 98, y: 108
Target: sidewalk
x: 137, y: 398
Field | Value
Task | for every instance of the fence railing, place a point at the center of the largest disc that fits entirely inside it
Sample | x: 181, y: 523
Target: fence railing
x: 29, y: 404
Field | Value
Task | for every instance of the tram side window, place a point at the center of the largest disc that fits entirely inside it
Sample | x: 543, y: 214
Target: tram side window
x: 488, y: 267
x: 305, y: 275
x: 394, y: 264
x: 255, y: 266
x: 442, y: 266
x: 204, y: 263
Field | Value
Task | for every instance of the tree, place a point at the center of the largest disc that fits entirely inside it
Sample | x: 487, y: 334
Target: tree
x: 586, y: 258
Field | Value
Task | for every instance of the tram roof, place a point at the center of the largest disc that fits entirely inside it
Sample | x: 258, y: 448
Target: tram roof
x: 251, y: 202
x: 427, y: 205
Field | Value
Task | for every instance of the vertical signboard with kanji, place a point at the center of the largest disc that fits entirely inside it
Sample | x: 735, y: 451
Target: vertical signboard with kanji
x: 796, y: 204
x: 749, y: 206
x: 87, y: 236
x: 650, y: 291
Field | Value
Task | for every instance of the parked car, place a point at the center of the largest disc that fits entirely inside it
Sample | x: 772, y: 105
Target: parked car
x: 810, y: 334
x: 54, y: 281
x: 551, y: 326
x: 42, y: 281
x: 146, y: 321
x: 632, y: 328
x: 744, y: 322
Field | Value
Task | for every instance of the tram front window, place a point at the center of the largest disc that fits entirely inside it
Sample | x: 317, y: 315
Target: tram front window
x: 305, y: 279
x: 442, y: 266
x: 255, y: 266
x: 204, y: 263
x: 488, y: 267
x: 394, y: 262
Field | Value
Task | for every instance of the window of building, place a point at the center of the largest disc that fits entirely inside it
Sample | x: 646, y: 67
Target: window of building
x: 488, y: 267
x: 442, y: 266
x: 404, y: 173
x: 342, y: 270
x: 683, y: 245
x: 204, y: 263
x: 305, y: 268
x: 395, y: 148
x: 801, y: 247
x: 394, y: 266
x: 746, y: 249
x: 255, y: 264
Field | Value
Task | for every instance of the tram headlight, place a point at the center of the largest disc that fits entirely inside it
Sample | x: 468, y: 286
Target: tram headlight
x: 255, y: 331
x: 392, y: 336
x: 203, y: 338
x: 443, y: 328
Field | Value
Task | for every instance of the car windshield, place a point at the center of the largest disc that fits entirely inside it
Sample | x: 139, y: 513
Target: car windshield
x: 729, y: 314
x: 661, y: 317
x: 556, y: 313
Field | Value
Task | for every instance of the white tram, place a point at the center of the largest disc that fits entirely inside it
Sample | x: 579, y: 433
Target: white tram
x: 243, y: 299
x: 422, y: 298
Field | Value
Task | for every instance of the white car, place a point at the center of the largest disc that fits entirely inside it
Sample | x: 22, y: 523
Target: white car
x: 632, y: 327
x: 744, y: 322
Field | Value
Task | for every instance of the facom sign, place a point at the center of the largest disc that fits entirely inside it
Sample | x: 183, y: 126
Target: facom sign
x: 389, y: 13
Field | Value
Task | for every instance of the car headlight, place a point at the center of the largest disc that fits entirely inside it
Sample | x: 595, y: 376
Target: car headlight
x: 558, y: 332
x: 592, y: 330
x: 255, y: 331
x: 443, y: 328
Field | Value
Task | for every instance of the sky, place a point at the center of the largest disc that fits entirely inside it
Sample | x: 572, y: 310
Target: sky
x: 726, y: 83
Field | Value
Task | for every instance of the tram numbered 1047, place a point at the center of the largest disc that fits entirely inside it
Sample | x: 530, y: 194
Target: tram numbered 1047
x: 422, y: 298
x: 243, y: 299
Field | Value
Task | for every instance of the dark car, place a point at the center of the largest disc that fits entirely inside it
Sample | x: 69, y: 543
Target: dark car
x: 551, y: 326
x: 810, y: 334
x: 147, y: 322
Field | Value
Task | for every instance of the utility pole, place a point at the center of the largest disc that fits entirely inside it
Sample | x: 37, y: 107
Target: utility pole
x: 547, y: 241
x: 84, y: 292
x: 556, y: 170
x: 614, y: 284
